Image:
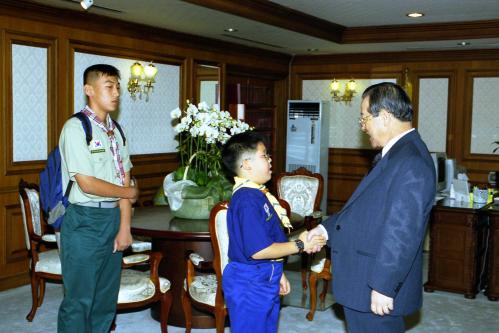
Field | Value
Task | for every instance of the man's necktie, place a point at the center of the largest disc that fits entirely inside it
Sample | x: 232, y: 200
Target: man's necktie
x: 375, y: 161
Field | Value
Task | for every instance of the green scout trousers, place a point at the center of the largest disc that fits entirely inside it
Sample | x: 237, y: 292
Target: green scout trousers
x: 90, y: 270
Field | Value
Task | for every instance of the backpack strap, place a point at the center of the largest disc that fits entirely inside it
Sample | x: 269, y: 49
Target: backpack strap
x: 121, y: 131
x: 87, y: 127
x: 68, y: 189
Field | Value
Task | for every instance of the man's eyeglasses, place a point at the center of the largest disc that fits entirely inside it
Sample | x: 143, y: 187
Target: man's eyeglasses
x: 363, y: 119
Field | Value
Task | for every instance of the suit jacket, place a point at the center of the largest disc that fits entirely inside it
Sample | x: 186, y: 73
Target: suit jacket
x: 376, y: 239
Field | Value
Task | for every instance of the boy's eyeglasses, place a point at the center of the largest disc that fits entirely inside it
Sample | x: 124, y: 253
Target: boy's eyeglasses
x: 266, y: 156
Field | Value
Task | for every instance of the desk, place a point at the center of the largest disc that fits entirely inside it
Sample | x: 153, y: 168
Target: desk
x: 492, y: 289
x: 173, y: 237
x: 457, y: 247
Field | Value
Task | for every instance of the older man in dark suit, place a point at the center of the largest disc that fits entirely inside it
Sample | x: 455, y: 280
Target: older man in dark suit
x: 376, y: 239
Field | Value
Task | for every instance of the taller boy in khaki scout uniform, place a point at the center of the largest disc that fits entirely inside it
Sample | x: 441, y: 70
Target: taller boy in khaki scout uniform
x: 96, y: 225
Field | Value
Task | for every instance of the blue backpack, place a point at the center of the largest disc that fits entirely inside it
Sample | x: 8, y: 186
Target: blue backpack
x: 52, y: 198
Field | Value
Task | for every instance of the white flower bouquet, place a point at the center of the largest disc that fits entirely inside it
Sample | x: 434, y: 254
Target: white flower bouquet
x: 201, y: 131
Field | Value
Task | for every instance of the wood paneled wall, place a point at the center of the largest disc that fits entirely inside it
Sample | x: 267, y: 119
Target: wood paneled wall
x: 348, y: 166
x: 63, y: 32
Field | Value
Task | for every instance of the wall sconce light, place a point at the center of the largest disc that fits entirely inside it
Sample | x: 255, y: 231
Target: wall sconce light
x: 348, y: 94
x: 86, y: 4
x: 141, y: 80
x: 406, y: 83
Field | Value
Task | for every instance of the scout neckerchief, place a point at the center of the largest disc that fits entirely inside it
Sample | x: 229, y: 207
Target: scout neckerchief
x: 281, y: 212
x: 109, y: 130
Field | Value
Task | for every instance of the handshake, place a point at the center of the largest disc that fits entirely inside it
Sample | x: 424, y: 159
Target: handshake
x: 314, y: 239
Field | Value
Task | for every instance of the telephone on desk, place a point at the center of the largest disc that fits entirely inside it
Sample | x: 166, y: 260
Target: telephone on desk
x: 441, y: 195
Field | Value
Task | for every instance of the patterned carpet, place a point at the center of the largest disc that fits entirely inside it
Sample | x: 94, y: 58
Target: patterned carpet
x: 442, y: 313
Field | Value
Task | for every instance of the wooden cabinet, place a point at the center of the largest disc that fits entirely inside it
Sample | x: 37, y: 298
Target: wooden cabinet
x: 257, y: 95
x: 457, y: 247
x: 492, y: 287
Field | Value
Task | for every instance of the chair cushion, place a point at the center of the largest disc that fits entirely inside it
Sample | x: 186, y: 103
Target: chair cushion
x: 136, y: 258
x: 203, y: 289
x: 141, y: 246
x: 49, y: 262
x: 34, y: 203
x: 49, y: 238
x: 136, y: 286
x: 195, y: 258
x: 300, y: 193
x: 222, y: 238
x: 318, y: 261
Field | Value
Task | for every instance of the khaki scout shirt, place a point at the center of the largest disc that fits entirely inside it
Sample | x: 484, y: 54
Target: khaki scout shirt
x: 94, y: 160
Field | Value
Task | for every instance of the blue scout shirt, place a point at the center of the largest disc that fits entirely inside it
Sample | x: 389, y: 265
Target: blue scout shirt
x: 252, y: 224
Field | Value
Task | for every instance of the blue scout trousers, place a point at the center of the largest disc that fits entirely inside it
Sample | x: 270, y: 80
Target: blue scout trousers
x: 251, y: 293
x: 90, y: 271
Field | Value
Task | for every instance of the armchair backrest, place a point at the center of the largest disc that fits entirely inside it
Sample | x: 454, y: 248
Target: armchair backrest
x: 219, y: 237
x: 29, y: 200
x: 302, y: 189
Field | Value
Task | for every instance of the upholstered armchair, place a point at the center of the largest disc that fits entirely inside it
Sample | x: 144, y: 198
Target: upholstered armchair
x: 43, y: 254
x: 202, y: 287
x: 139, y: 288
x: 302, y: 189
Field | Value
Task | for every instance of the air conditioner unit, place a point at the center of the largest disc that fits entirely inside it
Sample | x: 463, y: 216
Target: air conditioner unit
x: 307, y: 139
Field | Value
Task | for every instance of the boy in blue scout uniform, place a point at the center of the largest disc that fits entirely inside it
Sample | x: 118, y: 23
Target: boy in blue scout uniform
x: 96, y: 225
x: 254, y: 278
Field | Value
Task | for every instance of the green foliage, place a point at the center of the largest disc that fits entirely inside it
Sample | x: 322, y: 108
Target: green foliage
x: 218, y: 187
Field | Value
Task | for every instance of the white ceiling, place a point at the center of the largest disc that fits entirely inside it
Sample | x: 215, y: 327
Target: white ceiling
x: 189, y: 18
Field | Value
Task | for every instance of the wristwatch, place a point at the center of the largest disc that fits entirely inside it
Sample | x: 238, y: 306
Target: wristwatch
x: 299, y: 244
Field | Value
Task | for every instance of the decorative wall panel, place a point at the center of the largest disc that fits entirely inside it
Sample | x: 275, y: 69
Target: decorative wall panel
x: 485, y: 115
x: 147, y: 125
x: 432, y: 112
x: 29, y: 103
x: 344, y: 130
x: 208, y: 92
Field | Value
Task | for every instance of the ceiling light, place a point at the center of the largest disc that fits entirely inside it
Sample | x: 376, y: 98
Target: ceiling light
x: 86, y: 4
x: 230, y: 29
x: 463, y: 44
x: 414, y: 15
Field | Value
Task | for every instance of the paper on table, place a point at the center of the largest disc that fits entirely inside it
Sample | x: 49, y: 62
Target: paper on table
x: 461, y: 190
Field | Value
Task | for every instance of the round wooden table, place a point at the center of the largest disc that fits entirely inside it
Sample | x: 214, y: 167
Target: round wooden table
x: 173, y: 237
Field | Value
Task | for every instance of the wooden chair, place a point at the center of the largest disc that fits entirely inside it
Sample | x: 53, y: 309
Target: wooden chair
x: 44, y: 262
x: 204, y: 291
x: 319, y: 269
x: 302, y: 189
x: 139, y: 288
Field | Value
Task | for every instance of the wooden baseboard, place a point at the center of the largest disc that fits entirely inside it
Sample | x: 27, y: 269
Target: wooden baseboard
x: 14, y: 281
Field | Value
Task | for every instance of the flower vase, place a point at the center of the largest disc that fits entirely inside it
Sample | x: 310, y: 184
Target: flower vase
x: 187, y: 200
